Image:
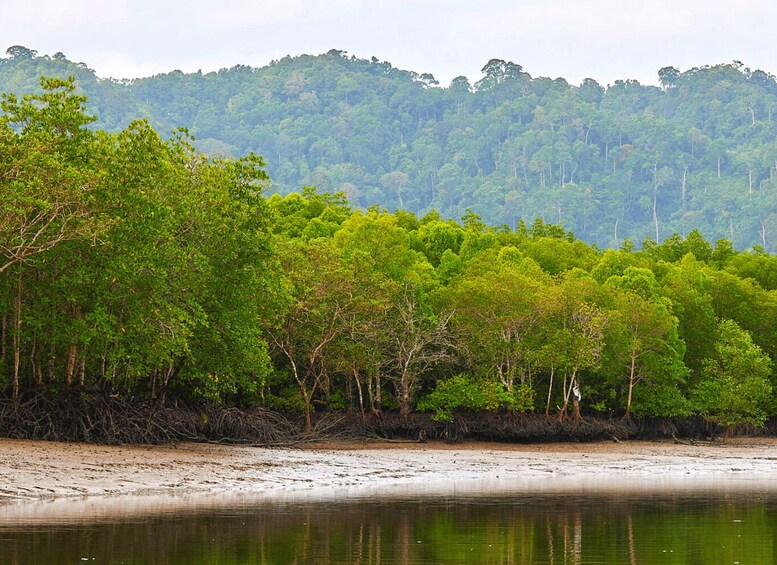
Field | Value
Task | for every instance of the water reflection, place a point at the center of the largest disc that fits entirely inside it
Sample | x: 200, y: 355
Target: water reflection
x: 504, y: 528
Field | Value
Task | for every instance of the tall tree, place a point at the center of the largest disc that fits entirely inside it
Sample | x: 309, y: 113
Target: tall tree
x: 497, y: 312
x: 653, y: 350
x: 736, y: 388
x: 47, y: 171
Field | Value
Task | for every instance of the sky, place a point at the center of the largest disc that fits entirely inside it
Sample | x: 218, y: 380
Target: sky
x: 575, y: 39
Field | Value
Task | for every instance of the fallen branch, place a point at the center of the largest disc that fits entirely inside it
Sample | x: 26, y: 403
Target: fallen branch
x: 689, y: 442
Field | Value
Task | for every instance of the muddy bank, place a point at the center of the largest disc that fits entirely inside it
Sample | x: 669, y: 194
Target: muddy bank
x: 39, y: 471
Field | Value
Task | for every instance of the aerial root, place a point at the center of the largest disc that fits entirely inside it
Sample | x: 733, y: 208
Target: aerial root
x: 95, y: 417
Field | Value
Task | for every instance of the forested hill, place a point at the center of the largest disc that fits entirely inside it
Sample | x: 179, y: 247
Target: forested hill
x: 627, y: 160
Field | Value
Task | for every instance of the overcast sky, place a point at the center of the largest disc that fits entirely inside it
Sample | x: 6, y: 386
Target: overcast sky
x: 575, y: 39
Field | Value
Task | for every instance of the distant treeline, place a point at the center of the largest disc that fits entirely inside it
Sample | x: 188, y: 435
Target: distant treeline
x: 628, y: 160
x: 138, y: 267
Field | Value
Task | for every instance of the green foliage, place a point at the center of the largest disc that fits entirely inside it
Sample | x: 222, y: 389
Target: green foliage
x: 462, y: 391
x: 439, y: 237
x: 450, y: 266
x: 137, y: 265
x: 148, y: 256
x: 736, y: 388
x: 286, y: 399
x: 686, y: 285
x: 612, y: 164
x: 50, y: 163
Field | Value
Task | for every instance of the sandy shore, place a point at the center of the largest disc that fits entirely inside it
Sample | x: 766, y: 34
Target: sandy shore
x: 35, y: 473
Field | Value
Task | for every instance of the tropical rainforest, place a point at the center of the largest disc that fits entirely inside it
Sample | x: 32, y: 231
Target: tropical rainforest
x: 136, y: 268
x: 611, y: 162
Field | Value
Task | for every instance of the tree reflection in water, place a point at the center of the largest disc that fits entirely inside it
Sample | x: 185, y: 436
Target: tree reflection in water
x: 509, y: 529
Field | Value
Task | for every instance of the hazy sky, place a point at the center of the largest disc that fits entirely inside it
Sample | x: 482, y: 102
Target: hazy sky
x: 575, y: 39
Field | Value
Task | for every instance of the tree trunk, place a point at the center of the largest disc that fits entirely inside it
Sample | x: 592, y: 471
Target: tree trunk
x: 152, y: 378
x: 627, y: 415
x: 359, y: 391
x: 576, y: 408
x: 763, y: 233
x: 523, y: 166
x: 3, y: 337
x: 33, y: 360
x: 50, y: 370
x: 404, y: 395
x: 17, y: 338
x: 378, y: 391
x: 567, y: 394
x: 370, y: 392
x: 82, y: 372
x: 306, y: 396
x: 70, y: 369
x: 308, y: 409
x: 563, y: 412
x: 170, y: 373
x: 550, y: 391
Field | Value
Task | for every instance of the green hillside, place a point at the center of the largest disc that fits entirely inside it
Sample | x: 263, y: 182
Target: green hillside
x: 626, y: 160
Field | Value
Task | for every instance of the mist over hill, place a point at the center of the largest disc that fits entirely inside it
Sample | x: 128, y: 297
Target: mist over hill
x: 609, y: 162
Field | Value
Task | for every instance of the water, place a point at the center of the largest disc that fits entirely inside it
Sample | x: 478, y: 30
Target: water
x: 510, y: 528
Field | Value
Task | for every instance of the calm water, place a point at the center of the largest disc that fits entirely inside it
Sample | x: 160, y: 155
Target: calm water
x: 671, y: 528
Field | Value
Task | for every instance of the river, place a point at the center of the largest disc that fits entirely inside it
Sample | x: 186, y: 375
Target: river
x: 496, y: 524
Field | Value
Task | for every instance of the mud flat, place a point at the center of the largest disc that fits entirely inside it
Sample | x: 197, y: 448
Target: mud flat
x: 36, y: 476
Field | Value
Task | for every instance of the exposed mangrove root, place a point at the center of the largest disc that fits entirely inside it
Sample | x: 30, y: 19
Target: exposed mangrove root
x: 98, y: 418
x: 95, y: 417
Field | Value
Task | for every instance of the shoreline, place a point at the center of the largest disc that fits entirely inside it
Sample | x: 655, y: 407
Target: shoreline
x: 39, y: 479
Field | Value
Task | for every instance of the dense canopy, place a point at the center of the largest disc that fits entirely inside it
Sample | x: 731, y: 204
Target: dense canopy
x: 625, y: 160
x: 141, y: 267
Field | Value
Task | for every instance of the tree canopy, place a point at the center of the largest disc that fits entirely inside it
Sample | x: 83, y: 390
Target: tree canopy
x: 141, y: 267
x: 611, y: 162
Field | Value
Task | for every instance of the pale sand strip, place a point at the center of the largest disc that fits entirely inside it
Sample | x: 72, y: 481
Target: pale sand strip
x: 48, y: 477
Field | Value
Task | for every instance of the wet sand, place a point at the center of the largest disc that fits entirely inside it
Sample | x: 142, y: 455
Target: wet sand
x: 47, y: 475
